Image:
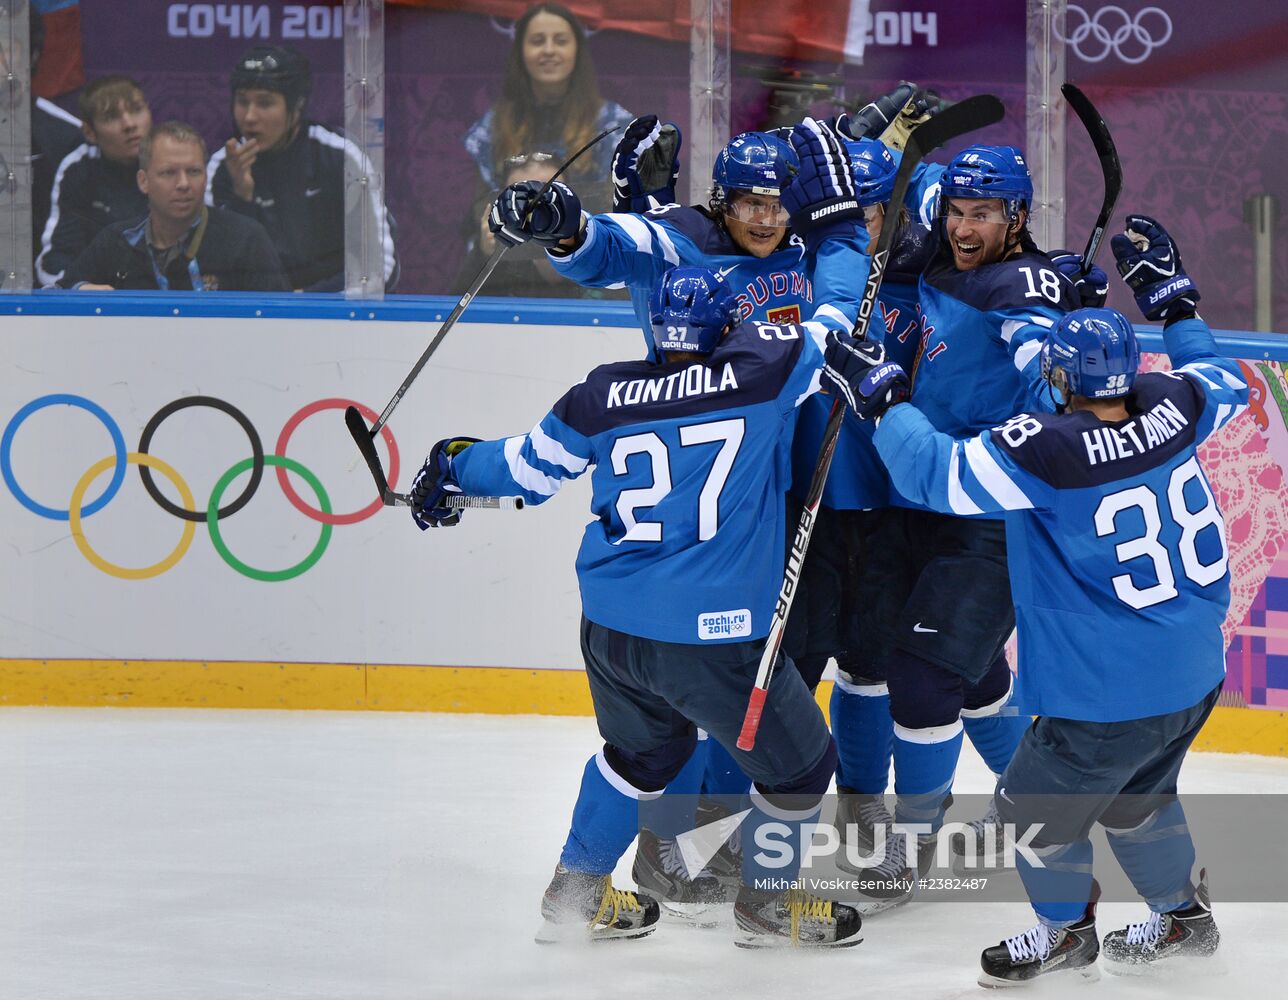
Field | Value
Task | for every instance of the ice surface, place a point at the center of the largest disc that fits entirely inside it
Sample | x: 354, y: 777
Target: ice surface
x: 371, y: 856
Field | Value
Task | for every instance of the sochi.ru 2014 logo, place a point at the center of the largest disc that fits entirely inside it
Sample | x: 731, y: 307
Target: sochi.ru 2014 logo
x: 1132, y: 38
x: 212, y: 513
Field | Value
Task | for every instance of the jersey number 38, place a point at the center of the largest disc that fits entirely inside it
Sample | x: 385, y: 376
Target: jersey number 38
x: 1142, y: 498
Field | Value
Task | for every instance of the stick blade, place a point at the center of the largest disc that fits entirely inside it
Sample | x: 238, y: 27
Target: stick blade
x: 957, y: 119
x: 1101, y: 139
x: 367, y: 446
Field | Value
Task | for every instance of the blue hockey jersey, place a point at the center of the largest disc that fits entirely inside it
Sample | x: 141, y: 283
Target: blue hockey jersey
x: 634, y: 251
x: 1117, y: 549
x: 858, y: 480
x: 690, y: 467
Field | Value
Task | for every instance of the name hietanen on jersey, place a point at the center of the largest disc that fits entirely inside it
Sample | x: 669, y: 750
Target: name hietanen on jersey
x: 696, y: 380
x: 1159, y: 424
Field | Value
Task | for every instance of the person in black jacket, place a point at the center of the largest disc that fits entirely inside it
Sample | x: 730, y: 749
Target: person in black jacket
x: 288, y: 173
x: 95, y: 183
x: 54, y: 133
x: 181, y: 244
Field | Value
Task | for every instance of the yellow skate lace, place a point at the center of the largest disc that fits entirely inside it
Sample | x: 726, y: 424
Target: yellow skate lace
x: 617, y: 900
x: 803, y: 906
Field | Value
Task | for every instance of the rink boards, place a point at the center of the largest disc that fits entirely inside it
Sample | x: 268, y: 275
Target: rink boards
x: 303, y: 593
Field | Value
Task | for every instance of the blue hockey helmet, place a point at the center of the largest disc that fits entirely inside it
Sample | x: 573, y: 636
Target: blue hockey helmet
x: 989, y: 172
x: 1091, y: 352
x: 874, y: 168
x: 759, y: 162
x: 690, y: 309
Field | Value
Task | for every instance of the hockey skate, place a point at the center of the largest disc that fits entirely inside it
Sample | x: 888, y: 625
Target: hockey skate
x: 793, y: 919
x: 1187, y: 933
x: 857, y: 814
x: 985, y: 852
x: 579, y: 906
x: 1041, y: 950
x: 893, y: 880
x: 661, y: 874
x: 726, y: 864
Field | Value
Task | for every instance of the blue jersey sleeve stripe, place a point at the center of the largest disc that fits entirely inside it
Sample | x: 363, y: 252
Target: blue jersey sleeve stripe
x: 642, y: 233
x: 553, y: 452
x: 958, y: 500
x: 1006, y: 493
x: 1025, y: 353
x: 562, y: 262
x: 829, y: 316
x: 528, y: 477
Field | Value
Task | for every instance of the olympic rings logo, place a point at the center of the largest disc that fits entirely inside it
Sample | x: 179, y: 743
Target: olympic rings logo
x: 1111, y: 28
x: 78, y: 510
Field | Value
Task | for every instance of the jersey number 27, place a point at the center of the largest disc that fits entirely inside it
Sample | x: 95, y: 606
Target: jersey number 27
x: 728, y: 433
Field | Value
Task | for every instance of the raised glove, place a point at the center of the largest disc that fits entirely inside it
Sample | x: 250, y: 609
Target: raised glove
x: 858, y: 370
x: 435, y: 480
x: 1151, y: 265
x: 873, y: 119
x: 920, y: 108
x: 554, y: 217
x: 820, y: 198
x: 1092, y: 287
x: 646, y: 165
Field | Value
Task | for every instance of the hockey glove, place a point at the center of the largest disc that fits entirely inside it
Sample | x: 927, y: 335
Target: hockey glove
x: 434, y: 482
x: 646, y: 165
x: 820, y: 198
x: 1092, y: 287
x: 1151, y: 265
x: 873, y: 119
x: 920, y: 108
x: 858, y: 370
x: 555, y: 216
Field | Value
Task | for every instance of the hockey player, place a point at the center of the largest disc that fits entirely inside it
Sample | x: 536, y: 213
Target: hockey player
x: 827, y: 616
x: 287, y: 173
x: 679, y: 572
x: 940, y: 607
x: 1124, y: 549
x: 744, y: 235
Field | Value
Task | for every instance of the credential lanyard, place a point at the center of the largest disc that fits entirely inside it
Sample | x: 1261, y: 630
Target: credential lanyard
x: 194, y: 244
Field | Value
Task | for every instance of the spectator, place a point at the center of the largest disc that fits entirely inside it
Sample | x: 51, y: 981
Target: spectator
x: 287, y: 173
x: 180, y: 244
x: 525, y: 270
x: 95, y: 184
x: 549, y: 101
x: 54, y: 133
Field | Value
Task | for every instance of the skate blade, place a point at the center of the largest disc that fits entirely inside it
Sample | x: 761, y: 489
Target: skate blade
x: 870, y: 907
x: 754, y: 941
x: 1086, y: 973
x: 701, y: 915
x: 1176, y: 967
x: 573, y: 933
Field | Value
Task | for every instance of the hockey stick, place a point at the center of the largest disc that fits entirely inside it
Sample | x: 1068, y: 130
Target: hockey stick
x: 358, y: 428
x: 1109, y: 166
x: 366, y: 438
x: 958, y: 119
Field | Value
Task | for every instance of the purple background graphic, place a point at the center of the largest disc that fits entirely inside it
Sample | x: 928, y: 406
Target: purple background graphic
x: 1198, y: 129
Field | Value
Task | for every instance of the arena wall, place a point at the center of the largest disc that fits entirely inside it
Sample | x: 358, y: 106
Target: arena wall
x: 117, y: 600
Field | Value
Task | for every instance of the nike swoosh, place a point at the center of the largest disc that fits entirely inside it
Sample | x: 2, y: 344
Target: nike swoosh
x: 312, y: 192
x: 918, y: 628
x: 724, y: 271
x: 1002, y: 792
